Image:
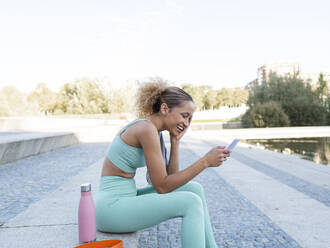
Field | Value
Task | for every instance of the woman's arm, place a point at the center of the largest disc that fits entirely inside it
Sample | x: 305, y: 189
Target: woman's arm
x: 173, y: 165
x: 161, y: 180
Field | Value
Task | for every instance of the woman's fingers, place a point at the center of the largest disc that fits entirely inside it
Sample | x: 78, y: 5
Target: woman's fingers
x: 220, y: 147
x: 223, y: 154
x: 217, y: 155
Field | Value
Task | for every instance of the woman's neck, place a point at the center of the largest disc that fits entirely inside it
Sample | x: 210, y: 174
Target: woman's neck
x: 158, y: 122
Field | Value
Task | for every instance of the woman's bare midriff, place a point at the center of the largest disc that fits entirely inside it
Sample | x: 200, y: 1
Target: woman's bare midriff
x: 109, y: 169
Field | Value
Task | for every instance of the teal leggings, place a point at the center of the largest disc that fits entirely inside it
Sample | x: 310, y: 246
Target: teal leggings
x: 120, y: 208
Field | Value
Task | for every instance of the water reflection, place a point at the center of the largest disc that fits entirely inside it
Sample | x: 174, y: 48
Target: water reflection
x: 314, y: 149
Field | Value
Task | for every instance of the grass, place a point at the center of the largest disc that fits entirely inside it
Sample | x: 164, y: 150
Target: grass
x: 215, y: 120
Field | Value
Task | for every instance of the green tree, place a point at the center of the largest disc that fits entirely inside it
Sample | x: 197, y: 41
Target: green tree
x: 197, y: 93
x: 85, y: 96
x: 303, y: 112
x: 4, y: 107
x: 296, y: 97
x: 43, y: 98
x: 322, y: 90
x: 120, y: 100
x: 240, y: 96
x: 323, y: 93
x: 328, y: 109
x: 207, y: 98
x: 269, y: 114
x: 67, y: 101
x: 225, y: 97
x: 210, y: 99
x: 13, y: 101
x: 91, y: 96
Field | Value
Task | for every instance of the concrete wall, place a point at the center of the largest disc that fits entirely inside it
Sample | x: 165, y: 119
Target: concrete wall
x: 215, y: 125
x: 223, y: 113
x: 21, y: 137
x: 17, y: 147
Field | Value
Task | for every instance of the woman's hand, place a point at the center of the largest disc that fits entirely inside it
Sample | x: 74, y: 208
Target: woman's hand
x: 176, y: 138
x: 216, y: 156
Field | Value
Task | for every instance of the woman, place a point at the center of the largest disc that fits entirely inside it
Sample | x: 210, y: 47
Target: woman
x: 120, y: 207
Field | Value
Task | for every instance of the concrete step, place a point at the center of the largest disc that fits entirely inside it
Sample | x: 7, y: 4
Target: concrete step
x: 19, y: 145
x: 22, y: 144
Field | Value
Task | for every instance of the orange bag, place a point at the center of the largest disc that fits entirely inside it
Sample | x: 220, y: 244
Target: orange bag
x: 103, y: 244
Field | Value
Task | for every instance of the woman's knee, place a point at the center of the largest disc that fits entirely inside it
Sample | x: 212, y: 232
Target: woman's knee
x: 192, y: 202
x: 195, y: 187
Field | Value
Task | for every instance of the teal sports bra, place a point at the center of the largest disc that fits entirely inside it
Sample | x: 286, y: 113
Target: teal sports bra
x: 125, y: 157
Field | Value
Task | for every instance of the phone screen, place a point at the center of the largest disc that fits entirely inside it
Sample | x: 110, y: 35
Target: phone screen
x: 233, y: 144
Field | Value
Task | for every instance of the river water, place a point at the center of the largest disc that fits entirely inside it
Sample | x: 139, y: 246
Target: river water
x: 315, y: 149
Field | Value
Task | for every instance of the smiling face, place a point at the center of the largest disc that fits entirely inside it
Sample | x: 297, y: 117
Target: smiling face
x: 179, y: 118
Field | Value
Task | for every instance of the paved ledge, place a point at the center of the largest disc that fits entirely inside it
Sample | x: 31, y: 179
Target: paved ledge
x: 14, y: 147
x: 18, y: 145
x: 215, y: 125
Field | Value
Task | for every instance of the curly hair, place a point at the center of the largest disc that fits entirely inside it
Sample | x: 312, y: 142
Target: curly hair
x: 151, y: 95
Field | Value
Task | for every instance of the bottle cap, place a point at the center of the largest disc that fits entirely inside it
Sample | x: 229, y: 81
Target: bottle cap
x: 86, y: 187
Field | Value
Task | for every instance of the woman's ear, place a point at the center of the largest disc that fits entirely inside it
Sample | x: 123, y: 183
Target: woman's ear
x: 164, y: 109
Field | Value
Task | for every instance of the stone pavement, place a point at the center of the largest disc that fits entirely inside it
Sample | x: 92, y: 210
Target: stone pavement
x: 26, y: 181
x: 292, y: 192
x: 51, y: 218
x: 236, y: 222
x: 257, y: 198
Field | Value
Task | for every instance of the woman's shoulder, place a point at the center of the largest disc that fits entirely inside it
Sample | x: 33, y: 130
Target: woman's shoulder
x: 145, y: 125
x: 145, y: 129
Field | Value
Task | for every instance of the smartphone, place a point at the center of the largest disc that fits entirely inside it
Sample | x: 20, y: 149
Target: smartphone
x: 233, y: 144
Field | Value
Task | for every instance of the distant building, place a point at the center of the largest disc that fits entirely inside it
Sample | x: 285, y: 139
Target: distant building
x: 313, y: 78
x: 251, y: 84
x: 281, y: 69
x: 286, y: 69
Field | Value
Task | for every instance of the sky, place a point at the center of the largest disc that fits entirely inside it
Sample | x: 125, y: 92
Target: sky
x: 209, y: 42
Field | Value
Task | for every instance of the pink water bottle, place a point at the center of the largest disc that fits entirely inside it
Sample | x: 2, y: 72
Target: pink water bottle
x: 86, y: 215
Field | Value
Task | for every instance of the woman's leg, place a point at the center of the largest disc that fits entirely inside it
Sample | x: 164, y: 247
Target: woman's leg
x: 129, y: 214
x: 197, y: 189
